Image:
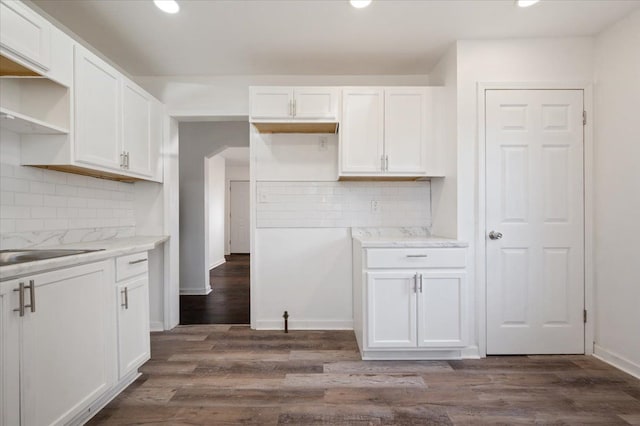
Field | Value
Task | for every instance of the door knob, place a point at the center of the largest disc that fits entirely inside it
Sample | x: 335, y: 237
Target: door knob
x: 495, y: 235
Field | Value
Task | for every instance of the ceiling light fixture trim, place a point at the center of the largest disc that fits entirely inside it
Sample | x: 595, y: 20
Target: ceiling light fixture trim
x: 167, y: 6
x: 360, y: 4
x: 526, y: 3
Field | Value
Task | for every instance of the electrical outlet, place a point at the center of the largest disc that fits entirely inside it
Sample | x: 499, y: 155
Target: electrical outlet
x: 323, y: 143
x: 374, y: 205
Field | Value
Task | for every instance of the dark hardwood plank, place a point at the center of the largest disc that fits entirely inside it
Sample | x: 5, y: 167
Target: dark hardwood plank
x: 228, y: 302
x: 228, y: 375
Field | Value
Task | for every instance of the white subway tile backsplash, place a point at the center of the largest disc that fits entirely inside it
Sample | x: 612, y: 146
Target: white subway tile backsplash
x: 28, y: 199
x: 343, y: 204
x: 13, y: 184
x: 44, y: 207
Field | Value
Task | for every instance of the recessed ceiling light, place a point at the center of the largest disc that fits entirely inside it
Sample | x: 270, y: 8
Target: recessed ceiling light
x: 527, y: 3
x: 168, y: 6
x: 359, y: 4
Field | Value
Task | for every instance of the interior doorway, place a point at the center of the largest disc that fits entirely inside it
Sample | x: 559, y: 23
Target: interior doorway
x: 226, y: 299
x: 535, y: 221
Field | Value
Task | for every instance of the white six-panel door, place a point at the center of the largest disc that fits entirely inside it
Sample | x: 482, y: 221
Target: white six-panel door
x: 239, y: 211
x: 534, y: 198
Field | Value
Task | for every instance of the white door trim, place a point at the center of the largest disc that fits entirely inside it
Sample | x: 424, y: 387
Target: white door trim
x: 481, y: 254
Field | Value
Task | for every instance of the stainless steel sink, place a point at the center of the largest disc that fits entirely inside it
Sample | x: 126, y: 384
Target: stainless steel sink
x: 13, y: 257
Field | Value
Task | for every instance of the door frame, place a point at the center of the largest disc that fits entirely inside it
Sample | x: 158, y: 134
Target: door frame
x: 229, y: 217
x: 588, y: 173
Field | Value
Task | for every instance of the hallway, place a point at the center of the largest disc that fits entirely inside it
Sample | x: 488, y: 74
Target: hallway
x: 228, y: 303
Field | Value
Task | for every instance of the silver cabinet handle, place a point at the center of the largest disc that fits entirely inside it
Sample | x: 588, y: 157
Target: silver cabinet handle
x: 125, y: 295
x: 494, y: 235
x: 122, y: 160
x: 417, y: 255
x: 20, y: 291
x: 386, y: 162
x: 420, y: 283
x: 32, y: 296
x: 133, y: 262
x: 415, y: 283
x: 127, y: 158
x: 382, y: 163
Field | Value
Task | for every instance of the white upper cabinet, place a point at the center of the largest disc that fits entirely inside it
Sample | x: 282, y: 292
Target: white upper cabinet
x: 97, y: 111
x: 294, y: 103
x: 136, y: 128
x: 118, y: 128
x: 405, y: 130
x: 386, y: 132
x: 271, y: 102
x: 315, y: 103
x: 362, y: 131
x: 24, y: 35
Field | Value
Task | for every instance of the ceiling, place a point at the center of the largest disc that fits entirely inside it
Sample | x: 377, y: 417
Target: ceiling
x: 226, y: 37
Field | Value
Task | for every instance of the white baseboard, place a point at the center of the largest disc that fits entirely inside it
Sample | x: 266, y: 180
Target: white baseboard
x: 616, y: 360
x: 156, y: 326
x: 305, y: 324
x: 195, y: 291
x: 470, y: 352
x: 217, y: 263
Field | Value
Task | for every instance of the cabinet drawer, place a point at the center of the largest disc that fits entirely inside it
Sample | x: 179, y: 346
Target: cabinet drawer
x: 416, y: 258
x: 131, y: 265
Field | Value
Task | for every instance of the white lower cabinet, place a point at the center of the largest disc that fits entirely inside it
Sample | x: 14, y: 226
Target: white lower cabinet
x: 71, y: 340
x: 64, y: 335
x: 133, y: 325
x: 406, y: 312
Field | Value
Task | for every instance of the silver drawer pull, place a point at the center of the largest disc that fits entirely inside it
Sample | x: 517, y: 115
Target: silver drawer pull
x: 133, y: 262
x: 416, y: 255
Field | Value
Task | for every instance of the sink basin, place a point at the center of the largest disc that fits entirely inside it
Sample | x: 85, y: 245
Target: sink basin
x: 13, y: 257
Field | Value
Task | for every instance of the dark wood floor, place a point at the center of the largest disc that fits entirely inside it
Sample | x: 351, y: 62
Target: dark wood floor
x: 228, y: 302
x: 225, y: 375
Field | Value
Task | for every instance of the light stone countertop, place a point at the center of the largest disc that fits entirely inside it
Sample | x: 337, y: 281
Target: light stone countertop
x: 111, y: 248
x: 402, y: 237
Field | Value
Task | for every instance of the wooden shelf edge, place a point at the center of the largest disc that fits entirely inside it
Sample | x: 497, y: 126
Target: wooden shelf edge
x: 84, y: 171
x: 9, y: 68
x: 292, y: 127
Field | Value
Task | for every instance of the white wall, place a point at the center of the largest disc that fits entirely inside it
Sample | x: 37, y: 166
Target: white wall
x: 517, y: 61
x: 617, y: 193
x: 228, y: 96
x: 444, y: 191
x: 197, y: 141
x: 215, y: 204
x: 171, y: 187
x: 306, y: 272
x: 236, y: 173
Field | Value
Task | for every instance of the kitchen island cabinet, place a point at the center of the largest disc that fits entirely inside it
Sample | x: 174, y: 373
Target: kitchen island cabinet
x: 409, y: 297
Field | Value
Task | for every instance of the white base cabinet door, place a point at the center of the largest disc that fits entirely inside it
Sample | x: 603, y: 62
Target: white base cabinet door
x: 9, y: 355
x: 65, y: 343
x: 133, y: 325
x: 441, y: 309
x: 391, y: 310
